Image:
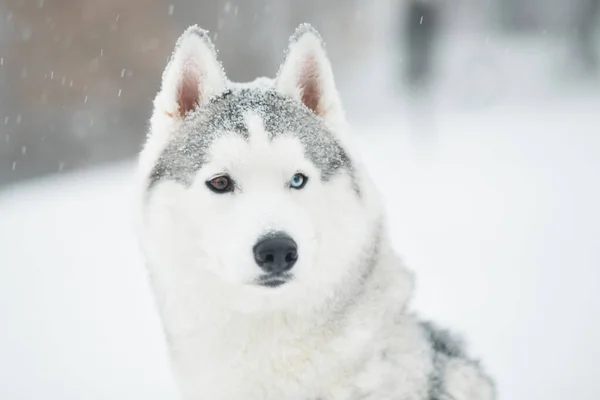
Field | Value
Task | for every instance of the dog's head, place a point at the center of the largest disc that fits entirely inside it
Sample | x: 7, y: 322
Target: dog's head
x: 250, y: 187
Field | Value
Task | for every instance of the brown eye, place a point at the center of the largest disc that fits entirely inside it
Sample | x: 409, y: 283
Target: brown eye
x: 220, y: 184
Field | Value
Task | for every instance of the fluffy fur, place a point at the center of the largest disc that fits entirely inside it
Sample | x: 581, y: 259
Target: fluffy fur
x: 339, y: 328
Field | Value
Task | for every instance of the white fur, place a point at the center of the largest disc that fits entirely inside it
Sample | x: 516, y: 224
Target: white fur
x: 328, y: 333
x: 463, y: 381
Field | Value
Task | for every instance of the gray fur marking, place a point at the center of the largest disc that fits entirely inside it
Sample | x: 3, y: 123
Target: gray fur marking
x: 224, y: 114
x: 442, y: 341
x: 444, y: 346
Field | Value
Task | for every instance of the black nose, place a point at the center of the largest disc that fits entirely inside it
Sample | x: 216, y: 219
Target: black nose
x: 276, y: 253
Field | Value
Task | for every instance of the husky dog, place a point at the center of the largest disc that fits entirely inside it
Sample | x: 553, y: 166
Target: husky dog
x: 266, y: 243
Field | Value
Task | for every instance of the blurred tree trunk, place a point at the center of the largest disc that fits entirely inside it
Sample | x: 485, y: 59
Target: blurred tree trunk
x: 421, y: 30
x: 586, y: 26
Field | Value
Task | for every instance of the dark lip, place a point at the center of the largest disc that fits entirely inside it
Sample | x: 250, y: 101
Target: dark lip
x: 274, y: 280
x: 272, y: 283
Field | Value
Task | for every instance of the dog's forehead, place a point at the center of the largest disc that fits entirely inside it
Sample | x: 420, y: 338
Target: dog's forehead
x: 228, y: 114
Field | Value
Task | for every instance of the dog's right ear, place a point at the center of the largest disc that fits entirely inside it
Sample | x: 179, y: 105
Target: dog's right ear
x: 192, y: 77
x: 306, y: 76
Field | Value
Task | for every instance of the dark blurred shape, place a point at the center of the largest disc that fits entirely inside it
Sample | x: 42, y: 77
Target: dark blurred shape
x: 421, y: 29
x: 519, y: 15
x: 587, y: 18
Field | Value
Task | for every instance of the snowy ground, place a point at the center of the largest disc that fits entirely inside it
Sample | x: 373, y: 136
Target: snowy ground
x: 495, y: 208
x: 496, y: 211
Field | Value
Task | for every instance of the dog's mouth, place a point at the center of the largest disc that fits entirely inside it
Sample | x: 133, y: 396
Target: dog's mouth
x: 274, y: 280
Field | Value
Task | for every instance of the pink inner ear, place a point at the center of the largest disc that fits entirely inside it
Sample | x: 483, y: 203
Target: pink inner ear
x: 188, y: 97
x: 309, y: 84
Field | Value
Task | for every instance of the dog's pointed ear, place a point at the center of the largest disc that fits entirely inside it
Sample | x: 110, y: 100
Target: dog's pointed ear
x: 193, y: 75
x: 306, y: 75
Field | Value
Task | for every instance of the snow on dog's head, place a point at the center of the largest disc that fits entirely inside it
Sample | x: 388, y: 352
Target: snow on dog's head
x: 249, y: 190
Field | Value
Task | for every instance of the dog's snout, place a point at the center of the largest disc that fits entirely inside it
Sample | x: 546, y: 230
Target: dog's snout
x: 276, y: 253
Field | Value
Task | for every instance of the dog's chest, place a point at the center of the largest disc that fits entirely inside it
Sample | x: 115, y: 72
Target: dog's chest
x: 257, y: 369
x: 274, y: 363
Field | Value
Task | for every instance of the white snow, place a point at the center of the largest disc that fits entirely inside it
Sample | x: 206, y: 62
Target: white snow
x: 497, y: 212
x: 77, y: 319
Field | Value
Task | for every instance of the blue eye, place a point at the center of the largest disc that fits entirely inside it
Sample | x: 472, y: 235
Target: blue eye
x: 298, y: 181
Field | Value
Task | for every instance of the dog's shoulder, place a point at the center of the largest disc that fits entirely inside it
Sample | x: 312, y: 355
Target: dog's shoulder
x: 455, y: 375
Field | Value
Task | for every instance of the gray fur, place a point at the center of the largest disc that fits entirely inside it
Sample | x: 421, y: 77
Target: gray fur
x: 224, y: 114
x: 445, y: 346
x: 442, y: 341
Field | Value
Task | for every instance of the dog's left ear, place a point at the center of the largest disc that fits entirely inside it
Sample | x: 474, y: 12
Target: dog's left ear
x: 306, y: 75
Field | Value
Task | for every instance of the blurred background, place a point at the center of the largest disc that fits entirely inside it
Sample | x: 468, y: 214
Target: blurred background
x: 479, y: 120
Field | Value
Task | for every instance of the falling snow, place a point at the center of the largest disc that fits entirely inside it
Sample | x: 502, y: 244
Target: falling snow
x: 26, y: 34
x: 477, y: 198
